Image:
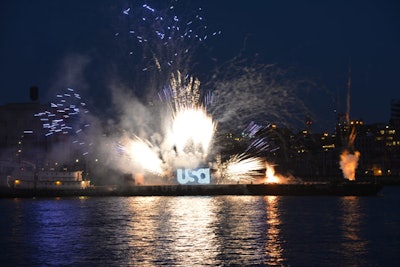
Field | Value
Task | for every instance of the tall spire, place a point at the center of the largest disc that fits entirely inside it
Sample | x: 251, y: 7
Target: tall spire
x: 348, y: 96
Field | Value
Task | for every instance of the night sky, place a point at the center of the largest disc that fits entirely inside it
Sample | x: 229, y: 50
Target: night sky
x: 49, y: 43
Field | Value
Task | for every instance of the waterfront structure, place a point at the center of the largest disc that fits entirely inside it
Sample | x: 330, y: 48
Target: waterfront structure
x: 23, y: 138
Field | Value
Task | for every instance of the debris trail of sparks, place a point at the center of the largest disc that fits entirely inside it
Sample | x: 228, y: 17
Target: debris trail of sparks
x: 164, y: 37
x: 67, y: 115
x: 65, y: 110
x: 241, y: 168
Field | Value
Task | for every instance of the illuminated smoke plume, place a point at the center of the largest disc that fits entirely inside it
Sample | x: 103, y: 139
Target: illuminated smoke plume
x: 270, y: 174
x: 348, y: 164
x: 272, y: 177
x: 349, y: 157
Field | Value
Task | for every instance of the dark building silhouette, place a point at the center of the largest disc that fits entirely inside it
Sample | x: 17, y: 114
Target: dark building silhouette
x: 34, y: 93
x: 395, y: 112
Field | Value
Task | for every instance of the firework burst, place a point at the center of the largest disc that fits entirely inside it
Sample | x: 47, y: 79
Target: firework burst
x: 161, y: 41
x: 240, y: 168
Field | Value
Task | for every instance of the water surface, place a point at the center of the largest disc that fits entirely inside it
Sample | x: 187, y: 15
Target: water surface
x: 201, y: 231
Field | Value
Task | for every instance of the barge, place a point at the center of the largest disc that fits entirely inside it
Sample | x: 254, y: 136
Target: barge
x: 346, y: 188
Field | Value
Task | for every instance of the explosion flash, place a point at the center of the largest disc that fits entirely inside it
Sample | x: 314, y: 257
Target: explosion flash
x: 143, y: 154
x: 192, y: 132
x: 240, y: 168
x: 185, y: 137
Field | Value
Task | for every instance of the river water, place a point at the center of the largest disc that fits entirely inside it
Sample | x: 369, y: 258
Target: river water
x: 202, y: 231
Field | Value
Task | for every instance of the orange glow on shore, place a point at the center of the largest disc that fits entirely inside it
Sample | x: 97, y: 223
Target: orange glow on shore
x: 270, y: 174
x: 139, y: 178
x: 349, y: 163
x: 271, y: 177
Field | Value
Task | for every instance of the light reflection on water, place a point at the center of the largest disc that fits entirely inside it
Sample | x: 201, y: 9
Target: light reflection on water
x: 274, y: 248
x: 195, y: 231
x: 351, y: 226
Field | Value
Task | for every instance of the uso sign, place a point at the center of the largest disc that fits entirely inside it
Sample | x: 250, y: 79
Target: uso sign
x: 193, y: 176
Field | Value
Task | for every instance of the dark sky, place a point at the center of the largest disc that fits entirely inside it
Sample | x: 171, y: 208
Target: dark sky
x: 319, y: 38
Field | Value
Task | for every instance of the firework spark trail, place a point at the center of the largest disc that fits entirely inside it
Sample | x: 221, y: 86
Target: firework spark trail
x: 183, y: 92
x: 62, y: 115
x: 240, y: 168
x: 163, y: 38
x: 262, y: 92
x: 259, y: 138
x: 145, y: 155
x: 68, y: 116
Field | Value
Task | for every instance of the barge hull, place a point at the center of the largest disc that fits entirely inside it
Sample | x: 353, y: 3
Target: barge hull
x: 304, y: 189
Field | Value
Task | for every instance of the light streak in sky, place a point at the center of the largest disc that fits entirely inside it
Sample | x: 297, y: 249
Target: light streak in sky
x: 258, y: 136
x: 63, y: 114
x: 164, y: 38
x: 66, y: 116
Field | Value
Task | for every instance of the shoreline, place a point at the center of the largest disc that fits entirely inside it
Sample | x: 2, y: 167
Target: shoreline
x: 294, y: 189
